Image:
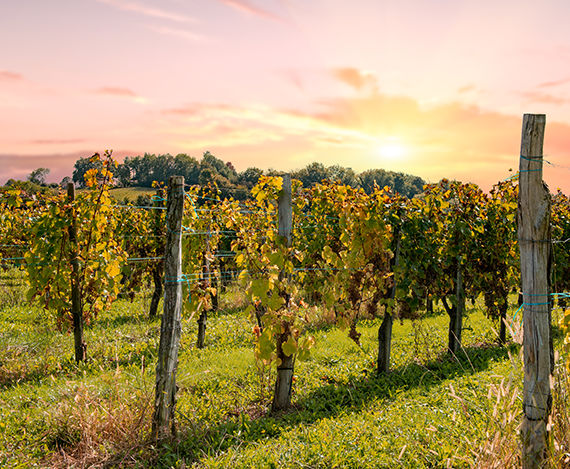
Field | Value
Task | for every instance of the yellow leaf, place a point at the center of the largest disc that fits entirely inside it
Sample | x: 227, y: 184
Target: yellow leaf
x: 113, y: 270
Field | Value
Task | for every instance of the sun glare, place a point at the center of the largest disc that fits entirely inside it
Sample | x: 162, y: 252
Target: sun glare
x: 392, y: 149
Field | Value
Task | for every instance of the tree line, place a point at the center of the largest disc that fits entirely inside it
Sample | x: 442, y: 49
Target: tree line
x: 142, y: 171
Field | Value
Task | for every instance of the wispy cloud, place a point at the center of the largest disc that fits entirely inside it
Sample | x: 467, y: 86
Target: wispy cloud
x: 451, y: 139
x: 544, y: 98
x: 149, y: 11
x: 57, y: 141
x: 181, y: 33
x: 357, y: 79
x: 116, y: 91
x: 466, y: 89
x: 120, y: 92
x: 294, y: 78
x: 551, y: 84
x: 246, y: 7
x: 5, y: 75
x: 195, y: 109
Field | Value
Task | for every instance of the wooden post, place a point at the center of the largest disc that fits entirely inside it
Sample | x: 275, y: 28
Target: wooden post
x: 429, y: 304
x: 76, y: 306
x: 158, y: 268
x: 385, y: 329
x: 457, y: 311
x: 163, y: 423
x: 503, y: 307
x: 535, y: 250
x: 284, y: 382
x: 205, y: 285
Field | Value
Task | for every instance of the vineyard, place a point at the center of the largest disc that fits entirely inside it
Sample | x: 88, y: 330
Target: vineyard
x: 283, y: 314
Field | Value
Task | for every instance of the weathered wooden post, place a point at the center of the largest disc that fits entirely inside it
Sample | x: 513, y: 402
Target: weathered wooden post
x: 284, y: 382
x: 205, y: 285
x: 158, y: 268
x: 534, y: 245
x: 163, y: 424
x: 76, y: 306
x: 385, y: 329
x: 457, y: 311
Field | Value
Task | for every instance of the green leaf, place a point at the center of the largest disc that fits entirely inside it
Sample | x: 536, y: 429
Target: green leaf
x: 290, y: 346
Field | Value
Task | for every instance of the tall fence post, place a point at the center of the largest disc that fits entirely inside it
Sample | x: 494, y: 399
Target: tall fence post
x: 534, y: 245
x: 284, y: 382
x: 76, y: 306
x: 163, y: 423
x: 158, y: 268
x: 458, y: 310
x: 385, y: 329
x: 202, y: 320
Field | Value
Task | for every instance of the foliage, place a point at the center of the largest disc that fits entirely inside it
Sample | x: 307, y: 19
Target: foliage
x: 38, y: 176
x: 82, y: 166
x: 268, y: 264
x: 498, y: 264
x: 401, y: 183
x: 96, y: 250
x: 560, y: 222
x: 358, y: 267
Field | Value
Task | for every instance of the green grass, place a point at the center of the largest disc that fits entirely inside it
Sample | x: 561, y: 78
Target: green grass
x: 430, y: 411
x: 131, y: 193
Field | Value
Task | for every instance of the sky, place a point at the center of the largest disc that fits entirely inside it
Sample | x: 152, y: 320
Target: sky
x: 435, y: 88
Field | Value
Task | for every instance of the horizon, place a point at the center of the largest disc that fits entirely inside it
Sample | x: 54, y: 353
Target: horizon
x: 432, y: 90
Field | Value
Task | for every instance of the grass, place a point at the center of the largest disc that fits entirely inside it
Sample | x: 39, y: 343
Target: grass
x: 131, y: 193
x: 430, y: 411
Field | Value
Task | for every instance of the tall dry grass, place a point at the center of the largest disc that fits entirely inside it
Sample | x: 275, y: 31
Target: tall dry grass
x: 96, y: 429
x: 502, y: 445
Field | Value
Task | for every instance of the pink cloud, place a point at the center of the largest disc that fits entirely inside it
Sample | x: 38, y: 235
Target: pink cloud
x: 544, y: 98
x: 355, y: 78
x: 5, y: 75
x: 116, y: 91
x: 182, y: 33
x: 195, y: 109
x: 247, y: 7
x: 550, y: 84
x: 466, y: 89
x: 148, y: 11
x: 294, y: 78
x: 55, y: 141
x: 119, y: 92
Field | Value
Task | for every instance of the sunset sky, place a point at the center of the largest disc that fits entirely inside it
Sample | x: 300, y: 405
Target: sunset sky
x: 436, y: 88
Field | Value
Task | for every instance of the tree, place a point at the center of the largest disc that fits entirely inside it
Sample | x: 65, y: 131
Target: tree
x: 312, y: 174
x: 345, y: 175
x: 64, y: 182
x: 228, y: 172
x: 38, y: 176
x: 82, y: 165
x: 187, y: 166
x: 249, y: 177
x: 124, y: 175
x: 404, y: 184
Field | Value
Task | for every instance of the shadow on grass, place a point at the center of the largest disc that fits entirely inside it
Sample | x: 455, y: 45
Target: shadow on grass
x: 331, y: 400
x: 334, y: 398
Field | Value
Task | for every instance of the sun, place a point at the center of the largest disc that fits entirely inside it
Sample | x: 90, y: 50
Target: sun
x: 391, y: 148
